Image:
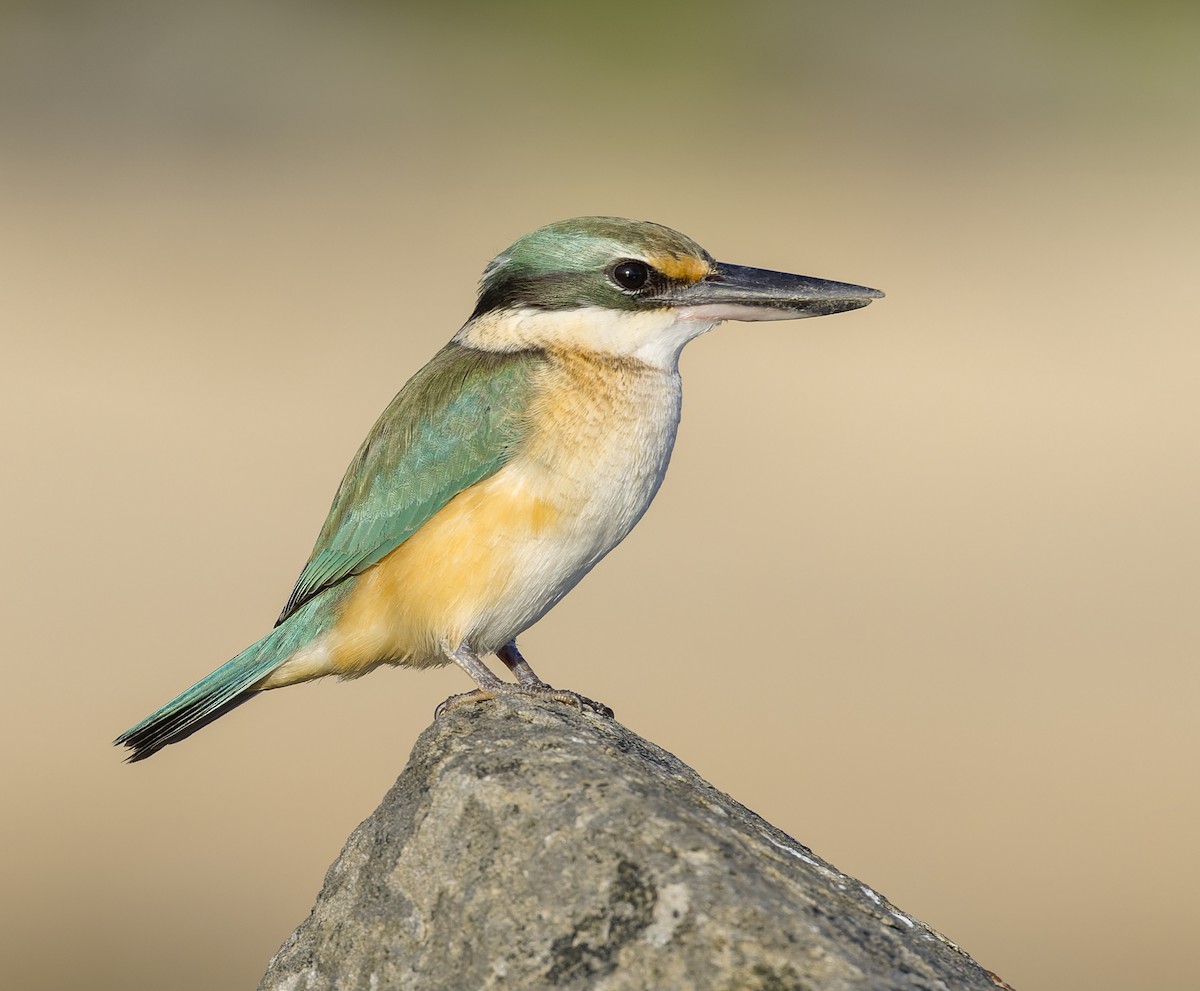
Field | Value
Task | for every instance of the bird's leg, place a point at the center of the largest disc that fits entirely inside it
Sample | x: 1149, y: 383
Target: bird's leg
x: 469, y: 661
x: 529, y: 680
x: 517, y: 664
x: 490, y: 686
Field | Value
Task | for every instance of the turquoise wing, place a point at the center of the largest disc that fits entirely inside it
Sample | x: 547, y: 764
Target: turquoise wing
x: 456, y: 422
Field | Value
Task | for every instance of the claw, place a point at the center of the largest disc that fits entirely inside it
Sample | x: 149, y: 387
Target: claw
x: 580, y: 702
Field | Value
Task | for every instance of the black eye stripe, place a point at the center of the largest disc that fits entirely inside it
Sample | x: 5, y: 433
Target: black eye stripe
x: 631, y: 274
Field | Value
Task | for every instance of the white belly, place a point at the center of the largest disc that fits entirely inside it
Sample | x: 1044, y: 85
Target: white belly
x: 596, y: 461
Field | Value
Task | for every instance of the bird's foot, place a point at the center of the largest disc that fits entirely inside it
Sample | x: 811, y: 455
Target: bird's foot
x: 539, y: 691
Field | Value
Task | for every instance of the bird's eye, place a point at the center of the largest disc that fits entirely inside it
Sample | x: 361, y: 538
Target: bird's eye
x: 631, y: 275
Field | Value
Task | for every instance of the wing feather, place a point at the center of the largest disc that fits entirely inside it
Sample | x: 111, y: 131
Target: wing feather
x: 456, y: 422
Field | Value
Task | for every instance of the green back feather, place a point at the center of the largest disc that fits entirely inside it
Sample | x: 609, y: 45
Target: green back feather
x: 455, y: 423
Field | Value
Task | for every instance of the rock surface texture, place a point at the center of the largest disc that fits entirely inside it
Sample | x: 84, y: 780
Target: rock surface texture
x: 528, y: 845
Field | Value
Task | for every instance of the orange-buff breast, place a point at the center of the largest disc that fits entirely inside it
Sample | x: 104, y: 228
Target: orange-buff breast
x: 435, y: 586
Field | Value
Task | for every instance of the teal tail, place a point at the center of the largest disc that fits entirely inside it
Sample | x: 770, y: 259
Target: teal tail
x: 231, y: 684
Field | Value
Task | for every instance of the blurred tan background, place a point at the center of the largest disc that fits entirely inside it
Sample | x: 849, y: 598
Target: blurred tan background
x: 921, y: 587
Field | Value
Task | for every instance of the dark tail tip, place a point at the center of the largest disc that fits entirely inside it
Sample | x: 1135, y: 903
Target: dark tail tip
x: 147, y: 739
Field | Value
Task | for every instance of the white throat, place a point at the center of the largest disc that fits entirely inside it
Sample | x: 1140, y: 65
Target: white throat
x: 654, y: 337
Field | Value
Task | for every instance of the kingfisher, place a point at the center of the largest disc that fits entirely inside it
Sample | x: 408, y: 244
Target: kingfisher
x: 507, y: 467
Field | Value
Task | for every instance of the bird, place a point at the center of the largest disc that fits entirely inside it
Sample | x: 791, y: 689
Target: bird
x: 506, y: 468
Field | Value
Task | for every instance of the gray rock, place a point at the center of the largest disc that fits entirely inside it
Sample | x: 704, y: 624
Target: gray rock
x: 528, y: 845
